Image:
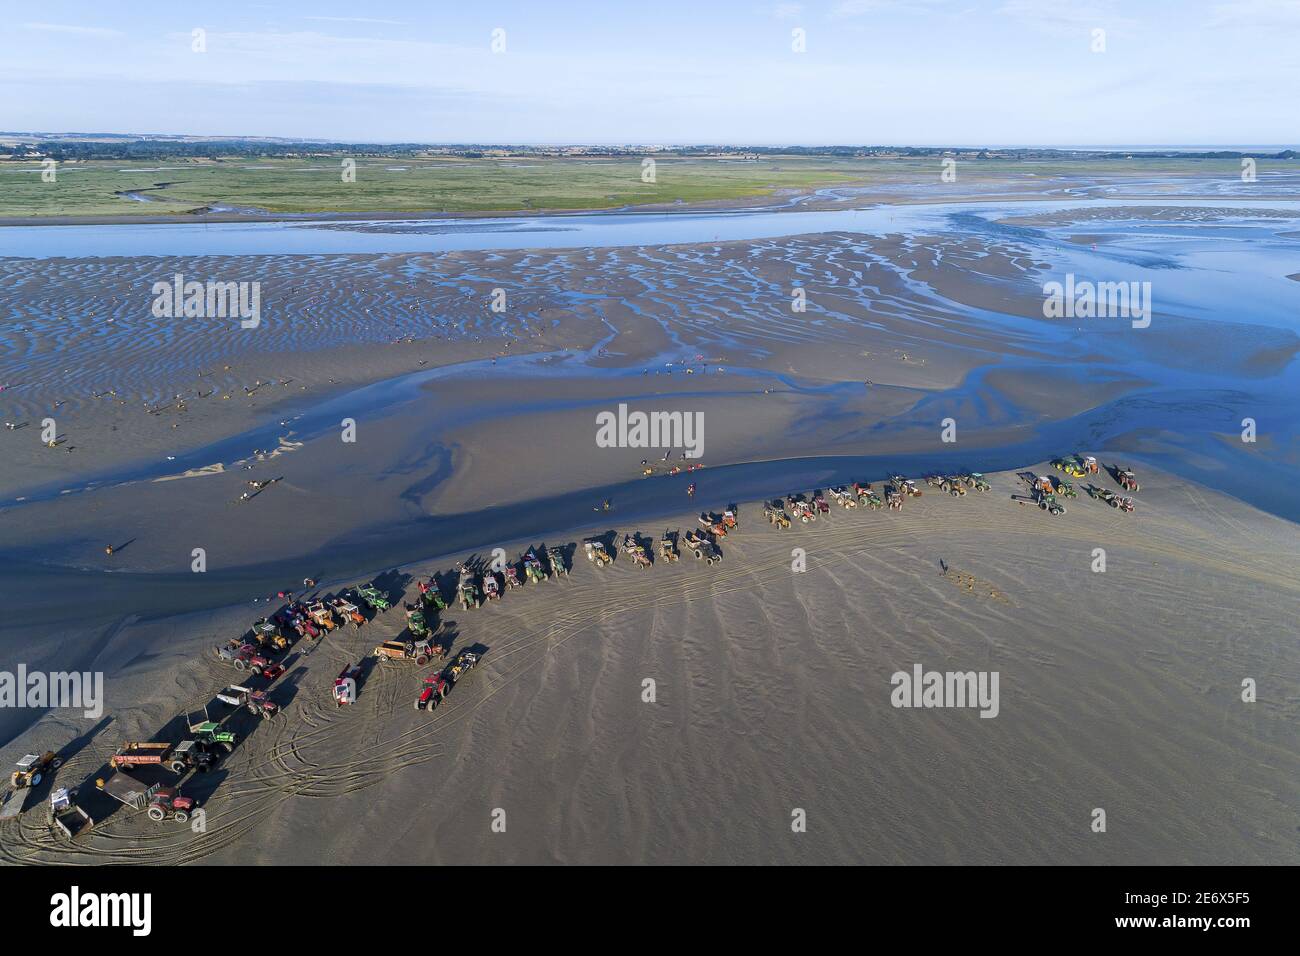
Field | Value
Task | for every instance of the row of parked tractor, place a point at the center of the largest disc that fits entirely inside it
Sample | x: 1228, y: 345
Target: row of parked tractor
x: 256, y: 651
x: 782, y: 512
x: 1050, y: 492
x: 206, y: 742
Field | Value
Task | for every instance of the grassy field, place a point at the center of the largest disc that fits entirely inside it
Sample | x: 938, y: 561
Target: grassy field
x: 490, y: 185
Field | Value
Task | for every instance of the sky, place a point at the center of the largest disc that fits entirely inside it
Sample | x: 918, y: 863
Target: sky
x: 892, y: 72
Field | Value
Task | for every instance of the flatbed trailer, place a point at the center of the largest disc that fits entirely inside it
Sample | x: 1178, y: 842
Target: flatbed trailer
x: 126, y: 789
x: 137, y: 754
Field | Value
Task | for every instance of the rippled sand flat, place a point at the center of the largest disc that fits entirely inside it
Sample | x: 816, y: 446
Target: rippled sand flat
x: 1119, y: 691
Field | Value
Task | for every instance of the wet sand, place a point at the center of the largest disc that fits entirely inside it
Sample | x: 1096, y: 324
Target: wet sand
x: 1119, y: 690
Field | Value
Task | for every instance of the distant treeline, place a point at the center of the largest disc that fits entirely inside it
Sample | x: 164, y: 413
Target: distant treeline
x: 117, y: 148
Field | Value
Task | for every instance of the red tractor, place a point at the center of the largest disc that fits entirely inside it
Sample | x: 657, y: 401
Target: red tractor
x: 159, y: 802
x: 246, y: 657
x: 432, y: 692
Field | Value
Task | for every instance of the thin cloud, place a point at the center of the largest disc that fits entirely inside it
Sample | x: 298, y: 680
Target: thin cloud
x: 1256, y: 13
x: 391, y: 23
x: 847, y: 9
x: 1065, y: 17
x: 64, y: 28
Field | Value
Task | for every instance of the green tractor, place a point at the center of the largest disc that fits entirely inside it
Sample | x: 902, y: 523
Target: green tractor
x: 374, y: 597
x: 1049, y: 504
x: 210, y: 733
x: 415, y: 622
x: 432, y: 597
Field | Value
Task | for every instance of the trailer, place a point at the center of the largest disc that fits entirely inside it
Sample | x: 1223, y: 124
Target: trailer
x: 421, y: 651
x: 135, y: 754
x: 65, y: 817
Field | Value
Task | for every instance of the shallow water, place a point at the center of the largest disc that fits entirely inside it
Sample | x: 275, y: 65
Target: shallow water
x: 1218, y: 350
x: 566, y: 231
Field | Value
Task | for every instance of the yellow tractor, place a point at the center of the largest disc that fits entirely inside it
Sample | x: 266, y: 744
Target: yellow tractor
x: 33, y: 766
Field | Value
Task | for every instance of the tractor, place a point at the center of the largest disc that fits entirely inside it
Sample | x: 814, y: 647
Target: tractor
x: 345, y: 685
x: 432, y: 691
x: 556, y: 557
x: 702, y: 547
x: 462, y: 665
x: 415, y: 622
x: 467, y: 589
x: 159, y: 802
x: 776, y: 516
x: 210, y: 733
x: 33, y: 767
x: 668, y: 549
x: 255, y: 700
x: 374, y: 597
x: 245, y: 657
x: 431, y: 596
x: 266, y: 635
x: 191, y: 753
x: 533, y: 570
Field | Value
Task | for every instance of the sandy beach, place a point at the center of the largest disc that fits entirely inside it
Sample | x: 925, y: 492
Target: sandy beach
x: 1119, y: 690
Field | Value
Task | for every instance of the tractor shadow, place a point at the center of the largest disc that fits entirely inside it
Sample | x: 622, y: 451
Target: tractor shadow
x: 647, y: 543
x: 610, y: 540
x: 568, y: 553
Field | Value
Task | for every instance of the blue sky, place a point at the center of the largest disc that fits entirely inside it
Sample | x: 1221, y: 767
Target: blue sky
x: 969, y: 72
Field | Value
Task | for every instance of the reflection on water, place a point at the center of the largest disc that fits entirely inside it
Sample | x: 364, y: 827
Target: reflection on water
x: 1220, y: 348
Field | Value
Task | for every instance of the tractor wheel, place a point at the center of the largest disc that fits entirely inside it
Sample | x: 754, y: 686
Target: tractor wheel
x: 35, y: 779
x: 181, y: 816
x: 178, y: 766
x: 227, y: 746
x: 156, y: 814
x: 422, y: 660
x: 56, y: 763
x: 240, y: 665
